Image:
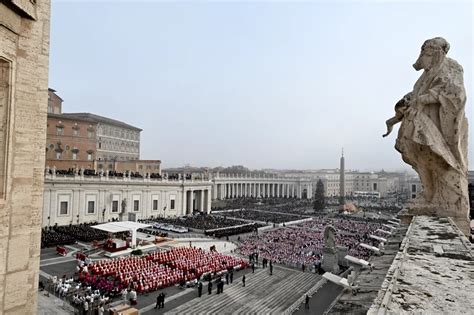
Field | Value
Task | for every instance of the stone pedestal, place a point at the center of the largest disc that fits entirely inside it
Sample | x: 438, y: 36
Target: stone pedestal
x: 342, y: 251
x: 330, y: 261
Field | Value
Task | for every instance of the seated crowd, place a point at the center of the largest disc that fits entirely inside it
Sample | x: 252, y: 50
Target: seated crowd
x: 82, y: 232
x: 263, y: 216
x: 234, y: 230
x: 156, y: 270
x: 303, y: 243
x: 50, y: 237
x: 199, y: 221
x: 69, y: 234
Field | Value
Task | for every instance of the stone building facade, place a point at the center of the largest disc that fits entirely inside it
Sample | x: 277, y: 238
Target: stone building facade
x: 79, y: 199
x: 84, y: 140
x: 70, y: 143
x: 55, y: 103
x: 24, y: 59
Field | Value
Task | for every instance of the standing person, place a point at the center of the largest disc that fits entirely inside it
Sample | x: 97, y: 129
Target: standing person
x: 158, y: 301
x: 232, y: 276
x: 162, y: 300
x: 253, y: 268
x: 243, y: 280
x: 306, y: 302
x: 227, y: 278
x: 86, y: 307
x: 101, y: 309
x: 125, y: 295
x: 133, y: 297
x: 271, y: 268
x: 302, y: 267
x: 199, y: 289
x: 209, y: 287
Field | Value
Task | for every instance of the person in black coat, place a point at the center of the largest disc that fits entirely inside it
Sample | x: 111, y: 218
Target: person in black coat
x: 200, y: 289
x: 209, y: 287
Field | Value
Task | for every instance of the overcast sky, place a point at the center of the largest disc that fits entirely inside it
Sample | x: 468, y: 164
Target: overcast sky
x: 260, y: 84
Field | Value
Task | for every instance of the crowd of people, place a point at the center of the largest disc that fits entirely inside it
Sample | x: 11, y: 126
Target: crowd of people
x: 50, y: 238
x: 388, y: 204
x: 156, y: 270
x: 198, y: 221
x: 263, y: 216
x: 303, y: 243
x: 234, y: 230
x: 82, y: 232
x: 69, y: 234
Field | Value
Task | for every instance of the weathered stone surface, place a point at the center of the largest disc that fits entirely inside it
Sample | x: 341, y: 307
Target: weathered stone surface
x: 24, y: 56
x: 433, y: 134
x: 432, y: 273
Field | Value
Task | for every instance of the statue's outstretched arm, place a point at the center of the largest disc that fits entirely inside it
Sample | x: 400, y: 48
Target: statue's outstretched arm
x: 400, y: 108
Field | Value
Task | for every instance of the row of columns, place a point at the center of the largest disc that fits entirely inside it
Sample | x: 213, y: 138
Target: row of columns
x: 198, y: 200
x: 264, y: 190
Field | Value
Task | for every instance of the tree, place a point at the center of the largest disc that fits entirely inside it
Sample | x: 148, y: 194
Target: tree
x: 319, y: 199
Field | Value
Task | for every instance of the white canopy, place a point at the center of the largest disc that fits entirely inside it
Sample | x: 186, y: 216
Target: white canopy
x: 120, y: 226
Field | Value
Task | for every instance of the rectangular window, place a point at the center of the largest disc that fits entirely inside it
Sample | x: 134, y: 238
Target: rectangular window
x: 115, y: 206
x: 59, y: 131
x: 89, y: 157
x: 58, y: 155
x: 413, y: 188
x: 90, y: 134
x: 74, y: 156
x: 172, y: 204
x: 63, y: 208
x: 136, y: 205
x: 90, y: 206
x: 155, y: 204
x: 75, y: 132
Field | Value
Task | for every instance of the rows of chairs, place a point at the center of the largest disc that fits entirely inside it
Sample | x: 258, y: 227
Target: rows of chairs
x: 162, y: 269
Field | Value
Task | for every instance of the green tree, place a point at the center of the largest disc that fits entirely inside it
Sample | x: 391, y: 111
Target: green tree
x: 319, y: 199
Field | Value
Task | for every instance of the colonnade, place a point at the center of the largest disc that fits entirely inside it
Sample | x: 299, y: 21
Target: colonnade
x: 196, y: 200
x: 263, y: 187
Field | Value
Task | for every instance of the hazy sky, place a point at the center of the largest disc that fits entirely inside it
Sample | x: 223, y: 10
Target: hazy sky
x: 260, y: 84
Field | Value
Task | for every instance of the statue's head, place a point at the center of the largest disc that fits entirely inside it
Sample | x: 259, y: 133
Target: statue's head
x: 432, y: 53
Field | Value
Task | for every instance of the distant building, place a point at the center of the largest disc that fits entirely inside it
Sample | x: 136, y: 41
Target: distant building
x: 89, y: 141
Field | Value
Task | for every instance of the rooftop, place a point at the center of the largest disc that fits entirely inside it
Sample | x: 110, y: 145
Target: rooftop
x: 93, y: 118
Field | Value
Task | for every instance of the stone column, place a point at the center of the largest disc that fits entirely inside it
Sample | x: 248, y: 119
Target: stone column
x: 209, y: 204
x: 258, y: 189
x: 191, y: 203
x: 214, y: 191
x: 184, y: 202
x: 201, y: 200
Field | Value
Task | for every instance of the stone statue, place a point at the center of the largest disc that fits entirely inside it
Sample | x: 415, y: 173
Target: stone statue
x: 433, y: 134
x: 124, y: 205
x: 330, y: 255
x: 329, y: 237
